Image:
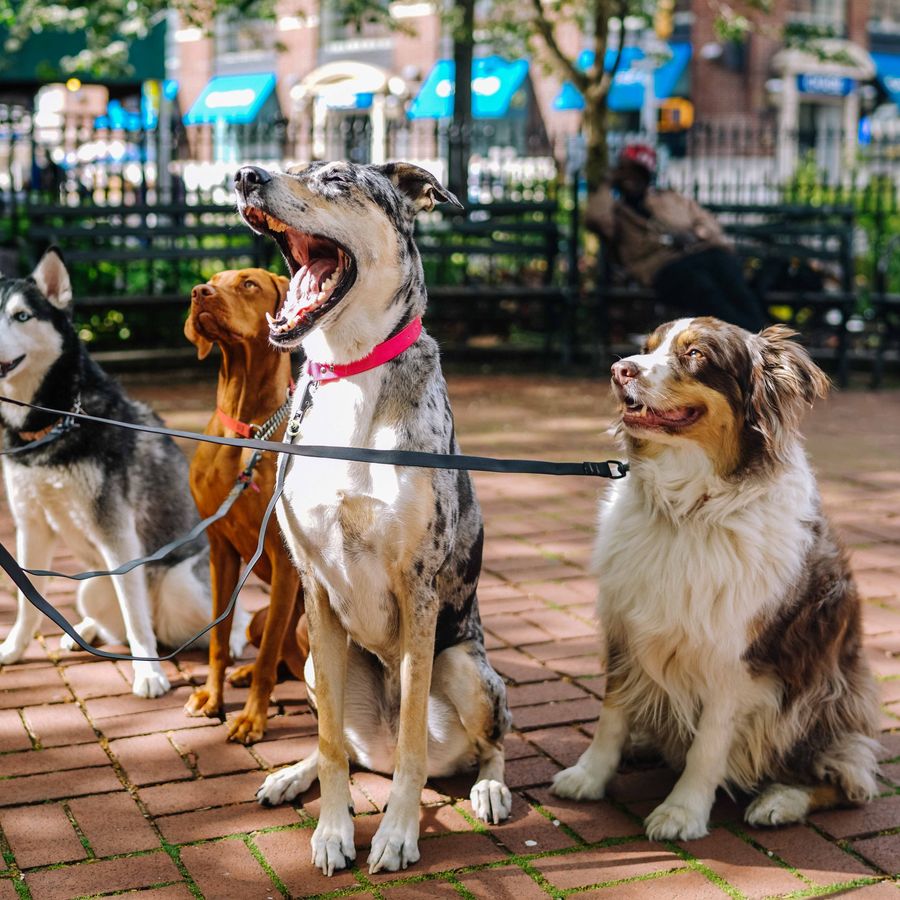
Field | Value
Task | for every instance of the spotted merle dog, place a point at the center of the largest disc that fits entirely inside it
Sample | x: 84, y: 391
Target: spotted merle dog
x: 390, y: 556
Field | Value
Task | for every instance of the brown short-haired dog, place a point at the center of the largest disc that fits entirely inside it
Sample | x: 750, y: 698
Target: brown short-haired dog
x: 254, y: 380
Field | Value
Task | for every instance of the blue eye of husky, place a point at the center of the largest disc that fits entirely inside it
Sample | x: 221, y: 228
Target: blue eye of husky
x: 22, y: 316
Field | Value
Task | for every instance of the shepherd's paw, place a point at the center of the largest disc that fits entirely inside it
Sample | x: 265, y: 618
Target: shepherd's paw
x: 86, y: 629
x: 578, y: 783
x: 332, y: 846
x: 778, y: 804
x: 286, y: 784
x: 395, y: 846
x: 673, y: 822
x: 491, y: 801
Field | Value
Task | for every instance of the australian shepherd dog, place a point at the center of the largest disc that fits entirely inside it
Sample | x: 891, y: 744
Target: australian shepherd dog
x: 731, y: 620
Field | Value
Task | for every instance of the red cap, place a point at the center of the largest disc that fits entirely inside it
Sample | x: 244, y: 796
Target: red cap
x: 642, y: 155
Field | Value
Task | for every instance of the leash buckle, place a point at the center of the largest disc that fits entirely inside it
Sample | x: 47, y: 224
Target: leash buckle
x: 617, y: 468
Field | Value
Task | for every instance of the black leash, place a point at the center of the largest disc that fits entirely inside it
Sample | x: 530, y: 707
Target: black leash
x: 608, y: 469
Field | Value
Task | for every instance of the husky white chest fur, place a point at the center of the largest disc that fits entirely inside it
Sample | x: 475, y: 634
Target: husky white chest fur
x: 732, y: 626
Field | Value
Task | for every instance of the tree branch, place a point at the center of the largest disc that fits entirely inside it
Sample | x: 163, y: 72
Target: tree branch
x: 546, y: 31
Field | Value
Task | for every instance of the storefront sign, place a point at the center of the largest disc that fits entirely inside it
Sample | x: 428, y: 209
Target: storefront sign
x: 825, y: 85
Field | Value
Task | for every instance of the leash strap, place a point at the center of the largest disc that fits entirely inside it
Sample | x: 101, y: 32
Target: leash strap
x: 611, y: 468
x: 63, y: 426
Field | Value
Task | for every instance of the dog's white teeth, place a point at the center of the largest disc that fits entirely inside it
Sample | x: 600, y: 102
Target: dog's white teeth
x: 274, y: 224
x: 270, y: 319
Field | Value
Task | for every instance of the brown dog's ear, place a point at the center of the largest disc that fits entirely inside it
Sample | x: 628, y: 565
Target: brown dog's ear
x: 203, y: 345
x: 784, y: 383
x: 281, y: 285
x: 419, y: 185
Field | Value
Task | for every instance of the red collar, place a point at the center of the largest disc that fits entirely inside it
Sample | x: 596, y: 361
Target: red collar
x: 243, y: 429
x: 384, y: 352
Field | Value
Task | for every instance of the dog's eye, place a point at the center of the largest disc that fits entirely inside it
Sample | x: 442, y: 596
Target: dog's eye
x: 249, y: 284
x: 22, y: 316
x: 694, y: 353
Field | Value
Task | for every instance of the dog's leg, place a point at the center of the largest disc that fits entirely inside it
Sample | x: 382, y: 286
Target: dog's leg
x: 587, y: 779
x: 684, y: 814
x: 224, y: 565
x: 122, y: 544
x: 395, y: 844
x: 34, y: 549
x: 250, y: 724
x: 462, y: 674
x: 100, y: 614
x: 332, y: 841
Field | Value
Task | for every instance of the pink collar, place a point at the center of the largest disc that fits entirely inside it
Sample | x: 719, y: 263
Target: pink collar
x: 384, y: 352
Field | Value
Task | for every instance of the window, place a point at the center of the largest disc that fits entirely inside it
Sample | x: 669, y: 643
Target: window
x: 819, y: 16
x: 236, y: 35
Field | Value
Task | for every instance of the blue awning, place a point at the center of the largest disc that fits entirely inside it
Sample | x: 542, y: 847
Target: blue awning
x: 887, y: 65
x: 627, y: 91
x: 494, y: 81
x: 236, y: 99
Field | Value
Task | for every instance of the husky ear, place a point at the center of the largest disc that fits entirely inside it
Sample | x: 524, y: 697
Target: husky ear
x: 203, y: 344
x: 419, y: 185
x: 52, y: 277
x: 784, y: 383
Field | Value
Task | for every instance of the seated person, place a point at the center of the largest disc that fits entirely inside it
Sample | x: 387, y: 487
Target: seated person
x: 670, y: 243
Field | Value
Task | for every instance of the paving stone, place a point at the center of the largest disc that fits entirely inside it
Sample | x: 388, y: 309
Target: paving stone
x: 681, y: 885
x: 290, y: 855
x: 225, y: 870
x: 150, y: 759
x: 57, y: 785
x: 200, y: 793
x: 221, y: 821
x: 285, y: 752
x: 54, y: 759
x: 533, y: 770
x: 211, y: 753
x: 593, y: 821
x: 884, y: 851
x: 564, y: 743
x: 59, y: 725
x: 526, y: 830
x: 556, y: 713
x: 97, y: 679
x: 878, y: 815
x: 8, y: 889
x: 40, y: 835
x: 441, y: 890
x: 606, y: 864
x: 504, y: 883
x: 94, y: 877
x: 132, y: 832
x: 446, y: 853
x: 543, y: 692
x: 13, y: 735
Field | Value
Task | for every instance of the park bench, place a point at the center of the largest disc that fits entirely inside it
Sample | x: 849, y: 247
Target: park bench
x: 799, y: 259
x: 493, y: 274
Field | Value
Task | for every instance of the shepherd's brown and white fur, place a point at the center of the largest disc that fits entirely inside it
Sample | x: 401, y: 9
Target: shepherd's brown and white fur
x: 390, y: 556
x: 732, y: 623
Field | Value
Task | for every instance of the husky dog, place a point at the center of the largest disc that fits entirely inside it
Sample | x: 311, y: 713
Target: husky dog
x: 110, y: 494
x: 390, y: 555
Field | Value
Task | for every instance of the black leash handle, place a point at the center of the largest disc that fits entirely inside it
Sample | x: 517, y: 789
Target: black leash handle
x: 612, y: 468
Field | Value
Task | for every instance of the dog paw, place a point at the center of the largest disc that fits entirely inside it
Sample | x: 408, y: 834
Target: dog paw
x: 673, y: 822
x: 204, y: 702
x: 332, y: 845
x: 778, y: 805
x: 491, y: 801
x: 11, y: 651
x: 86, y: 629
x: 242, y: 676
x: 286, y: 784
x: 578, y: 783
x: 247, y: 728
x: 150, y: 683
x: 395, y: 845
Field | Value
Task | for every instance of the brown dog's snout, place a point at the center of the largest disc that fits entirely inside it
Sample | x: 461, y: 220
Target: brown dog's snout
x: 248, y: 176
x: 624, y: 371
x: 201, y: 291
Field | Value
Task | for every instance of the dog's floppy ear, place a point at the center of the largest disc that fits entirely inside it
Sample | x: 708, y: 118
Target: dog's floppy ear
x: 281, y: 285
x: 52, y: 277
x: 203, y: 344
x: 784, y: 383
x: 422, y: 188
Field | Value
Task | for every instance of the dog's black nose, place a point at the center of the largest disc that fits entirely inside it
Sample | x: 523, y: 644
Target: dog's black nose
x: 624, y: 371
x: 250, y: 175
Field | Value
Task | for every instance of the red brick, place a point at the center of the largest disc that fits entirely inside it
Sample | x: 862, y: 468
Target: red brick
x: 276, y: 754
x: 200, y: 793
x: 62, y: 723
x: 505, y: 883
x: 820, y: 861
x: 884, y: 890
x: 534, y: 770
x: 565, y: 744
x: 132, y: 831
x: 13, y: 735
x: 40, y: 835
x: 742, y: 866
x: 97, y: 679
x: 150, y: 759
x: 880, y: 814
x: 526, y: 830
x: 31, y: 687
x: 543, y: 692
x: 289, y: 855
x: 446, y: 853
x: 606, y: 864
x: 884, y: 851
x: 588, y: 646
x: 562, y: 625
x: 8, y: 889
x: 515, y: 630
x: 103, y: 876
x: 593, y: 820
x: 225, y: 870
x: 57, y: 785
x: 516, y: 747
x: 517, y: 667
x: 55, y: 759
x: 222, y: 821
x: 211, y: 753
x: 680, y: 885
x: 556, y: 713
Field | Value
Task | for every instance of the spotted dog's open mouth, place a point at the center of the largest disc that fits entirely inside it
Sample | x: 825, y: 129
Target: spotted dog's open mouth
x: 322, y: 271
x: 639, y: 415
x: 7, y: 367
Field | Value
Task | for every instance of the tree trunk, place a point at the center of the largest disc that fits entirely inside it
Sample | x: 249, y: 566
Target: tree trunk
x: 594, y: 124
x: 459, y: 146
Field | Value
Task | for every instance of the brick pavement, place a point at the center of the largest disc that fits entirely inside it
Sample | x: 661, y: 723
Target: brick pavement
x: 103, y: 794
